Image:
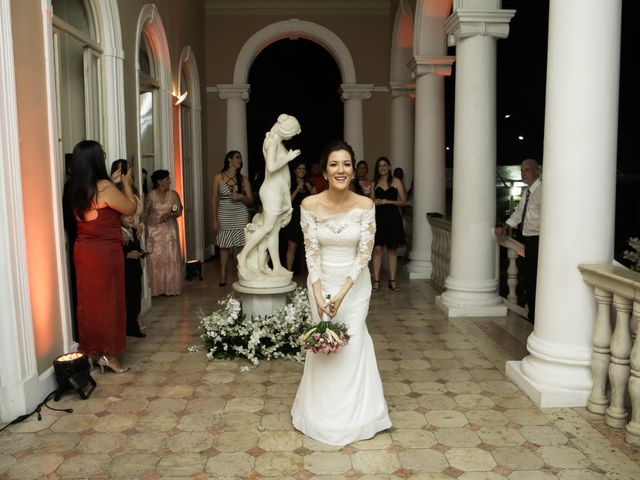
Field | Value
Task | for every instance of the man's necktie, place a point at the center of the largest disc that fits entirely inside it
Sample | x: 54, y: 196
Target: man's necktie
x: 524, y: 210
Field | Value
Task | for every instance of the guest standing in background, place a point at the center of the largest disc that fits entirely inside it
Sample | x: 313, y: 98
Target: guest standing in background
x: 527, y: 215
x: 132, y: 263
x: 316, y: 178
x: 133, y: 255
x: 98, y: 204
x: 232, y: 195
x: 300, y: 189
x: 363, y: 184
x: 389, y: 195
x: 70, y: 227
x: 161, y: 208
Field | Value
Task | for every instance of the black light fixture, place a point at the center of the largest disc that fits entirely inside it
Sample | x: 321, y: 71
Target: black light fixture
x: 194, y: 269
x: 73, y: 373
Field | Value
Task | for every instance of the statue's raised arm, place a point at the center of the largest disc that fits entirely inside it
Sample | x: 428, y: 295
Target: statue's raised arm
x: 262, y: 233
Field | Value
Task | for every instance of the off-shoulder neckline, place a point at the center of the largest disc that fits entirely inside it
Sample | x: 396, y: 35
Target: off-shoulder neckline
x: 349, y: 212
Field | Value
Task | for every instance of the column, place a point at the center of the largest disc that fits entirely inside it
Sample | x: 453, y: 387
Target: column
x: 352, y: 95
x: 429, y: 169
x: 402, y: 128
x: 20, y: 388
x: 115, y: 134
x: 236, y: 96
x: 580, y: 146
x: 472, y: 286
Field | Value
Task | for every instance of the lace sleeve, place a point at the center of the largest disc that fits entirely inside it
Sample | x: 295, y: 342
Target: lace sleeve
x: 365, y: 245
x: 309, y: 226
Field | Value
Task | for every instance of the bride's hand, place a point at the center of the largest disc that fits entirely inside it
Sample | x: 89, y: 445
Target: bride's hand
x: 323, y: 307
x: 334, y: 305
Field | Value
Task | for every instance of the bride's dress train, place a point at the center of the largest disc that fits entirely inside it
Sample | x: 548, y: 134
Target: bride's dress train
x: 340, y: 398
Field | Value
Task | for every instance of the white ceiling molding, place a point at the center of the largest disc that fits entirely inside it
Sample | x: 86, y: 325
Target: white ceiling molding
x: 298, y: 7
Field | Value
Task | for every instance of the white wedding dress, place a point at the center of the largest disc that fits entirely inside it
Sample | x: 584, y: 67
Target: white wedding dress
x: 340, y: 398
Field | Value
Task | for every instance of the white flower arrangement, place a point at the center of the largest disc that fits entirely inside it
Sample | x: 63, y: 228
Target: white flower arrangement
x: 633, y: 255
x: 227, y: 333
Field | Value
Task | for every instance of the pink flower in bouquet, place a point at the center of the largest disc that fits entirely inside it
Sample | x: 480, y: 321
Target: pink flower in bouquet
x: 325, y: 337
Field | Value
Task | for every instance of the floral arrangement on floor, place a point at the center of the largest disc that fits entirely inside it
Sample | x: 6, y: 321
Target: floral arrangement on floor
x: 227, y: 333
x: 633, y: 255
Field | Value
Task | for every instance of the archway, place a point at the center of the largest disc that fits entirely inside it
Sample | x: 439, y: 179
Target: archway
x: 309, y: 90
x: 237, y: 93
x: 190, y: 114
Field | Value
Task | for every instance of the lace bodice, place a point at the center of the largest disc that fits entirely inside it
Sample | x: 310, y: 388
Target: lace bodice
x: 343, y: 240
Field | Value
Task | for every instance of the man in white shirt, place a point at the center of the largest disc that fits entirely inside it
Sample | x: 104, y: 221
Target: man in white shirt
x: 528, y: 215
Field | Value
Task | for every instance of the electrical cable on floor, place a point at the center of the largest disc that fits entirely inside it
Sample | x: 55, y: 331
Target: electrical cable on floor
x: 37, y: 410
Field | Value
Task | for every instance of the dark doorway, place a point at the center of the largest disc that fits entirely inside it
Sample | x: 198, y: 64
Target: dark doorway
x: 300, y: 78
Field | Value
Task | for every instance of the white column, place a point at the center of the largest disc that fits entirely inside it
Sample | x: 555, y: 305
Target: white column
x: 20, y: 389
x: 580, y: 143
x: 236, y: 96
x: 115, y: 138
x: 402, y: 128
x: 472, y: 286
x: 352, y: 96
x: 429, y: 169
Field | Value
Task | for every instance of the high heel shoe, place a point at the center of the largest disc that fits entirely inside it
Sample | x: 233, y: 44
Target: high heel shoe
x: 93, y: 361
x: 393, y: 286
x: 376, y: 286
x: 111, y: 363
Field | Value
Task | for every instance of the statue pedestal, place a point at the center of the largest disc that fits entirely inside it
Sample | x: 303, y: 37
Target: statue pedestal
x: 262, y: 301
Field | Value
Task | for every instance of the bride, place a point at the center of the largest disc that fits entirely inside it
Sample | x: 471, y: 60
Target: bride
x: 340, y: 398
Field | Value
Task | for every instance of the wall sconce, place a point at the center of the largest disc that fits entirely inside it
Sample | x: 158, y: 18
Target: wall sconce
x: 181, y: 98
x: 72, y: 373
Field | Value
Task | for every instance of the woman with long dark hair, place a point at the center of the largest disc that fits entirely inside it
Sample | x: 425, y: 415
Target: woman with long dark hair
x: 389, y: 195
x: 340, y: 399
x: 164, y: 264
x: 300, y: 189
x: 231, y: 197
x: 98, y: 204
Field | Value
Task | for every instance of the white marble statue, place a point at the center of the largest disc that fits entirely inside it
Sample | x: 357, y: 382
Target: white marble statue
x: 262, y: 233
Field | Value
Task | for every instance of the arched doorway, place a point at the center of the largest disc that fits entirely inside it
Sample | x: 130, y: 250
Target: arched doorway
x: 301, y: 78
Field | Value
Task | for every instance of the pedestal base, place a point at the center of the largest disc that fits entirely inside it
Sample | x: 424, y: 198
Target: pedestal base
x: 471, y: 310
x: 419, y: 270
x: 262, y: 301
x: 542, y: 395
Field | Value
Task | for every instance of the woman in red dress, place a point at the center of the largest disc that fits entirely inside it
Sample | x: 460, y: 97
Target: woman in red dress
x: 98, y: 259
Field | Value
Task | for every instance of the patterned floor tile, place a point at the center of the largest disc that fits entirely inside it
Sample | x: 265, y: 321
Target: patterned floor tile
x: 455, y: 415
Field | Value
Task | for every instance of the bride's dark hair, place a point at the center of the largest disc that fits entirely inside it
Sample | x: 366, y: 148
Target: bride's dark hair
x: 334, y: 146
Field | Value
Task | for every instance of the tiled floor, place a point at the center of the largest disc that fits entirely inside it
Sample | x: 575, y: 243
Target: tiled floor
x: 455, y: 415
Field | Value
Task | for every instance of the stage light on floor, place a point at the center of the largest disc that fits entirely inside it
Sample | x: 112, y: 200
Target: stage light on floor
x: 194, y: 269
x: 72, y: 372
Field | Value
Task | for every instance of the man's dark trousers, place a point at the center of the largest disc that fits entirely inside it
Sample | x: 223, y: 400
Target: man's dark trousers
x: 531, y: 274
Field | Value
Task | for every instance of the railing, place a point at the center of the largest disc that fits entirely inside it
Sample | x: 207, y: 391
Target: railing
x: 440, y: 248
x: 514, y: 250
x: 441, y: 256
x: 614, y: 362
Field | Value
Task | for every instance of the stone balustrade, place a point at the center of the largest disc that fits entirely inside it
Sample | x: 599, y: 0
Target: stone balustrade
x: 440, y: 248
x: 440, y: 259
x: 515, y: 249
x: 615, y: 362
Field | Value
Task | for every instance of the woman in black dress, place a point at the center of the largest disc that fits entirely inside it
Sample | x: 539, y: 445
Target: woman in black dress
x: 388, y: 195
x: 300, y: 189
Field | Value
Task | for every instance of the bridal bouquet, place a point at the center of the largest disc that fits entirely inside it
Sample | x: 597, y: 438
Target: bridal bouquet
x: 325, y: 337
